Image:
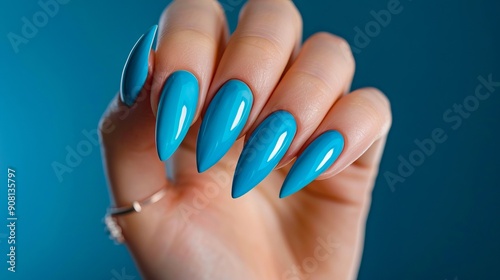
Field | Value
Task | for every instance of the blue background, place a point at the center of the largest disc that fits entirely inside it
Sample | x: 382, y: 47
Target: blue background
x: 442, y: 222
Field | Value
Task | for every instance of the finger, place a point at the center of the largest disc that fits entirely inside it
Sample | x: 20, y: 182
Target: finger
x: 357, y: 121
x: 322, y: 71
x: 127, y: 137
x: 191, y: 36
x: 364, y: 117
x: 127, y: 130
x: 250, y: 68
x: 133, y: 169
x: 259, y: 49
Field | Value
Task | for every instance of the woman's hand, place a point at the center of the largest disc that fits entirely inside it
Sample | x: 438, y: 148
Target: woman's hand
x: 198, y: 231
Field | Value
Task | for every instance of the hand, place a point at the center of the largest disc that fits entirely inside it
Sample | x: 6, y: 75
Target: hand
x: 198, y: 231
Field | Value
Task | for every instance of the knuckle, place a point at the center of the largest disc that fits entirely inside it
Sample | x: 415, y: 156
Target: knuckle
x: 376, y: 105
x: 270, y: 27
x: 380, y: 97
x: 337, y: 43
x: 202, y: 17
x: 280, y: 15
x: 294, y: 14
x: 328, y: 38
x: 167, y: 9
x: 322, y: 82
x: 203, y: 37
x: 284, y: 8
x: 270, y: 45
x: 324, y: 36
x: 188, y: 32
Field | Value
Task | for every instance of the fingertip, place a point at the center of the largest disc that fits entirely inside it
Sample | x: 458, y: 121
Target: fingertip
x: 364, y: 118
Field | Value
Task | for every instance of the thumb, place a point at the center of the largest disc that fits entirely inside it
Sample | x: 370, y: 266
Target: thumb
x: 133, y: 168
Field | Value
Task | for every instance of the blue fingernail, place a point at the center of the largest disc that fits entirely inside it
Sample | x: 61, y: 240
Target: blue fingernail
x: 135, y: 71
x: 263, y: 151
x: 315, y: 159
x: 225, y: 118
x: 176, y: 110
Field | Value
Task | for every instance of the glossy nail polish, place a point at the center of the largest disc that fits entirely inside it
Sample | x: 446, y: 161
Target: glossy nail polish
x: 135, y: 71
x: 176, y: 110
x: 263, y: 151
x: 225, y: 118
x: 315, y: 159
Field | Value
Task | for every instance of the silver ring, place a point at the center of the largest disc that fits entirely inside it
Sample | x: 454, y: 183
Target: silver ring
x: 112, y: 226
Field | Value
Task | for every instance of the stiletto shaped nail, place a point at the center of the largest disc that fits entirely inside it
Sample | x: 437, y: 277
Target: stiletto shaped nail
x: 263, y: 151
x: 315, y: 159
x: 225, y: 118
x: 135, y: 71
x: 178, y: 101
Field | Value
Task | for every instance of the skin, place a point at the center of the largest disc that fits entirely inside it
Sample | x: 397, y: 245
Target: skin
x: 197, y: 231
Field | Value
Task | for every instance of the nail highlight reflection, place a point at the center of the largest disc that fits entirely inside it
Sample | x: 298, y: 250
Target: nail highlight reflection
x: 315, y: 159
x: 265, y: 148
x: 223, y: 122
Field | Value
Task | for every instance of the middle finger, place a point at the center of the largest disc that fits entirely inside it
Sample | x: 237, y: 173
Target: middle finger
x: 248, y: 72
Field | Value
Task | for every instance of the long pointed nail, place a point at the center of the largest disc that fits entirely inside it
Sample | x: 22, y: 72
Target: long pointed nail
x: 263, y: 151
x: 135, y: 71
x: 315, y: 159
x: 223, y: 122
x: 176, y: 110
